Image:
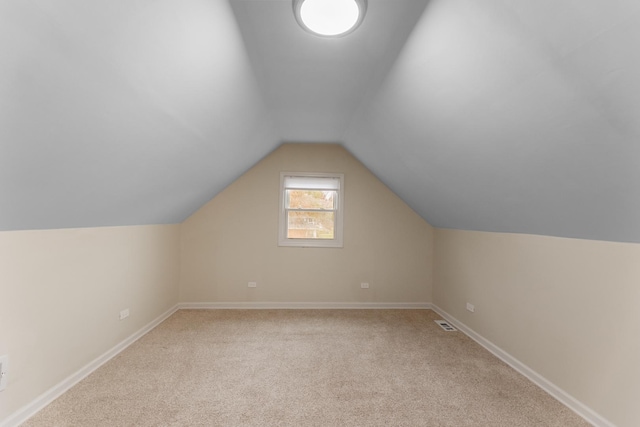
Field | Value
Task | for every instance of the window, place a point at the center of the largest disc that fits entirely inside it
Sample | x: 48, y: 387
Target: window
x: 311, y: 206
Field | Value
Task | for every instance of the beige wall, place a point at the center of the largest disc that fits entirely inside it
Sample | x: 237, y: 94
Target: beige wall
x: 61, y: 292
x: 569, y: 309
x: 233, y: 240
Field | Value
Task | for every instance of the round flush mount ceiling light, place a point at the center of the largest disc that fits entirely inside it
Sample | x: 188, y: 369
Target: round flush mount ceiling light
x: 329, y: 18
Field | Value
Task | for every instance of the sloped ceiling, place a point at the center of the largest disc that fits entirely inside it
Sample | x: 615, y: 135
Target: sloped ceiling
x: 514, y: 116
x: 119, y: 112
x: 496, y: 115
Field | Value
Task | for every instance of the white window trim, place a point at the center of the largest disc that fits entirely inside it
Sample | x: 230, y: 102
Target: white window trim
x: 337, y: 241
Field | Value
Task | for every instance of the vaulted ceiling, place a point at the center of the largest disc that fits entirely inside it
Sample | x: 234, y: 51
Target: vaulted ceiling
x: 496, y: 115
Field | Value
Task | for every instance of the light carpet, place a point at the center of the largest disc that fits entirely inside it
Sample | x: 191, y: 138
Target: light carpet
x: 305, y: 368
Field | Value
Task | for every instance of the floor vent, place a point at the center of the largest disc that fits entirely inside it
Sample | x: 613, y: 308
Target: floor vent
x: 445, y: 325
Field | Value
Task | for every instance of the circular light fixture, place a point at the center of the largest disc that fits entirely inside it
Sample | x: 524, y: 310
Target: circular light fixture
x: 329, y: 18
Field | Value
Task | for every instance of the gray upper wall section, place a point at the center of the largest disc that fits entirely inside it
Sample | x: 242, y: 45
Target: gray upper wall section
x: 510, y: 116
x: 514, y: 116
x: 121, y: 112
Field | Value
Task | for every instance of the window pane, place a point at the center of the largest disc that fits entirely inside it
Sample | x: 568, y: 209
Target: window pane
x: 311, y: 199
x: 310, y: 225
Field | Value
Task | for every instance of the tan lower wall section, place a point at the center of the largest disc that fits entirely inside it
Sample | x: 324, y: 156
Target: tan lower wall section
x: 61, y: 292
x: 233, y: 240
x: 569, y: 309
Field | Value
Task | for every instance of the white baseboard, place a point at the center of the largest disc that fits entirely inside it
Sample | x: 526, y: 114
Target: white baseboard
x: 303, y: 305
x: 563, y: 397
x: 56, y: 391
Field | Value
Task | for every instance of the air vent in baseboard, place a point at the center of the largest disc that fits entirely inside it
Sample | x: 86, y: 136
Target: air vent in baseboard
x: 445, y: 325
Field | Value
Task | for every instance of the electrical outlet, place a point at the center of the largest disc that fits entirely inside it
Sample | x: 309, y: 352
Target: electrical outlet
x: 471, y: 307
x: 253, y: 284
x: 124, y: 314
x: 364, y: 285
x: 4, y: 371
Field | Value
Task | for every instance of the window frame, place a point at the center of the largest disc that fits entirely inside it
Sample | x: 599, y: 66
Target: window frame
x: 337, y: 241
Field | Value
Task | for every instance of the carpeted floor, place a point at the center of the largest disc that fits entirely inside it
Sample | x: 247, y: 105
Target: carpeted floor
x: 305, y: 368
